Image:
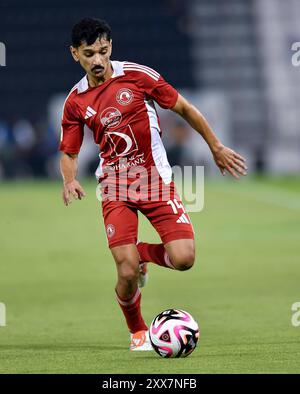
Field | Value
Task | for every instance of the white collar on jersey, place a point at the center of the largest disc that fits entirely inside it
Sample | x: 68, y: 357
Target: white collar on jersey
x: 83, y: 84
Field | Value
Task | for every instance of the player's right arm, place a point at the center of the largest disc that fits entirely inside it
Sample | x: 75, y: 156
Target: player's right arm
x: 71, y: 188
x: 71, y: 140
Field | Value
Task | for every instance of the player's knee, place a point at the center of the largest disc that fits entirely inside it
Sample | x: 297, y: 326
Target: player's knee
x: 184, y: 265
x: 185, y: 260
x: 127, y: 272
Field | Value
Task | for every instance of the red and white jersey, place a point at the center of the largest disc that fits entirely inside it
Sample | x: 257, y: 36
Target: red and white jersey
x: 122, y: 116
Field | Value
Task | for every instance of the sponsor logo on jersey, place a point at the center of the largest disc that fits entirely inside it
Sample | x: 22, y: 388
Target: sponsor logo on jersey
x: 124, y: 96
x: 122, y: 164
x: 110, y: 230
x: 122, y: 142
x: 111, y: 117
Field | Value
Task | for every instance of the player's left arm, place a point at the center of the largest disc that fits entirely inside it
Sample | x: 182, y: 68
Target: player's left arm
x: 225, y: 158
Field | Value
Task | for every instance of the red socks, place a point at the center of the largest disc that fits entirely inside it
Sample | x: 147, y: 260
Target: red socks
x: 131, y: 307
x: 132, y: 312
x: 154, y: 253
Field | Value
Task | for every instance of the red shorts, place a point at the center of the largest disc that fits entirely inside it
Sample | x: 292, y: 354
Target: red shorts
x: 167, y: 217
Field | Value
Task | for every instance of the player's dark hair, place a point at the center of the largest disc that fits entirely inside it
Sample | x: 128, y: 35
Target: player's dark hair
x: 88, y: 30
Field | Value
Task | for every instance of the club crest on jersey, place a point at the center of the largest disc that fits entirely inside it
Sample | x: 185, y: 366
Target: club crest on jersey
x: 110, y: 230
x: 111, y: 117
x: 124, y: 96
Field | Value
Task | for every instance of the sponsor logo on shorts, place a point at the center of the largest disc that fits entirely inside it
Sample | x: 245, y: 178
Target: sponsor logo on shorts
x: 111, y: 117
x: 110, y: 230
x: 124, y: 96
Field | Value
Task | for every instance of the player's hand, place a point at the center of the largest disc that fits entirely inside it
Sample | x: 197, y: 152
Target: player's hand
x: 72, y: 190
x: 230, y: 161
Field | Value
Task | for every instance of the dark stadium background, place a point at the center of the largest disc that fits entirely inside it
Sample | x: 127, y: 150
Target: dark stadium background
x: 236, y: 61
x: 208, y: 47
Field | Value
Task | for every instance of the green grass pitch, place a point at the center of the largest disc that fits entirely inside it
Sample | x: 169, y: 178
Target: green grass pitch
x: 57, y: 281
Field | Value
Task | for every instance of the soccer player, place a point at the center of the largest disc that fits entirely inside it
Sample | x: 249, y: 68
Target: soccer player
x: 115, y: 100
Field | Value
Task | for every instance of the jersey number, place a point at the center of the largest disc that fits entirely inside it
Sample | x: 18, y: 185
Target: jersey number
x: 175, y: 206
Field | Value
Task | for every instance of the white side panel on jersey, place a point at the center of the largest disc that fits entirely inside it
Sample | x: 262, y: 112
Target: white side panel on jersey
x: 99, y: 171
x: 158, y: 150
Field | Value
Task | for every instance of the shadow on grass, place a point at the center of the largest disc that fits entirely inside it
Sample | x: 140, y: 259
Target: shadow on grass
x: 63, y: 347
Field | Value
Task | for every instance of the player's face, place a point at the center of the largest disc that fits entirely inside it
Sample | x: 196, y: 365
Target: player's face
x: 95, y: 58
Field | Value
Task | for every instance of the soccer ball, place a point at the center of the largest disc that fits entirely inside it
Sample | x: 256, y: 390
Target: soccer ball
x: 174, y: 333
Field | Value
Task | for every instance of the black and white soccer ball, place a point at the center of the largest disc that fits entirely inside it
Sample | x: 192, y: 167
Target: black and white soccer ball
x: 174, y: 333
